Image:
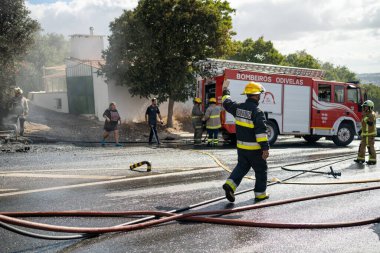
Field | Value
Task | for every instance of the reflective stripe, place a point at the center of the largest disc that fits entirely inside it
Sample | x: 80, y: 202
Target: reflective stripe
x: 216, y: 141
x: 195, y: 117
x: 248, y: 145
x: 225, y: 97
x: 372, y: 159
x: 198, y: 127
x: 244, y: 122
x: 214, y: 127
x: 261, y: 137
x: 361, y: 158
x: 232, y: 184
x: 214, y: 116
x: 369, y: 134
x: 260, y: 195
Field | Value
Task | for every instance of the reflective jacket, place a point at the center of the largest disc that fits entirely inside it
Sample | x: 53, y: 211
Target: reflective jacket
x: 212, y: 116
x: 196, y: 116
x: 369, y: 124
x: 251, y: 129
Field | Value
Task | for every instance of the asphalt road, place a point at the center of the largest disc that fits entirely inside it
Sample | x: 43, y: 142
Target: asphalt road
x: 65, y: 177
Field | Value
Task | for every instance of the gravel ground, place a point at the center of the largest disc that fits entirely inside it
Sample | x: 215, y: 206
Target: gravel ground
x: 43, y: 124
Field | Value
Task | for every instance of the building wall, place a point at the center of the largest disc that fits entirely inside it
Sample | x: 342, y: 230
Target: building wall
x: 86, y: 47
x: 100, y: 96
x: 48, y: 100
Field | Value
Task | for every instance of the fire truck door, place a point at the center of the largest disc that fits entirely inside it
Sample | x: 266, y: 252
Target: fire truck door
x: 296, y: 118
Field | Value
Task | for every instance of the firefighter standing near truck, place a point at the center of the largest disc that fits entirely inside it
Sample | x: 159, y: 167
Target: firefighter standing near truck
x: 252, y: 141
x: 196, y: 119
x: 213, y: 123
x: 368, y: 135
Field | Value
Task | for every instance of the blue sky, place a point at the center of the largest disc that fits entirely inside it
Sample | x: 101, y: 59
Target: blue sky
x: 343, y: 32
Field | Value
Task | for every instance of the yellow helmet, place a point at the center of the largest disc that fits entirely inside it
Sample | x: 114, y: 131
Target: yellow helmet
x: 18, y: 90
x: 198, y: 100
x: 212, y: 100
x: 253, y: 88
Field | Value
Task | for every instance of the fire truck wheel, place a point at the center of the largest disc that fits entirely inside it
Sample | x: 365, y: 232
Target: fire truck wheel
x: 272, y: 132
x: 344, y: 136
x: 312, y: 138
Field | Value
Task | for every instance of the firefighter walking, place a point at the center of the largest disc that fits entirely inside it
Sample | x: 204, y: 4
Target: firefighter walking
x: 196, y: 119
x: 368, y: 134
x: 252, y: 141
x: 212, y: 118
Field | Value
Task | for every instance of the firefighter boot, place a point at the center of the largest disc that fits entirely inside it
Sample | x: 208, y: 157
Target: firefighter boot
x: 229, y: 192
x: 260, y: 196
x: 360, y: 161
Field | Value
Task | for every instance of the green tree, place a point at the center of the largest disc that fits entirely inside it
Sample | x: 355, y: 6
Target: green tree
x: 153, y: 48
x: 302, y: 59
x: 338, y: 73
x: 373, y: 93
x: 16, y: 35
x: 259, y: 51
x: 49, y: 50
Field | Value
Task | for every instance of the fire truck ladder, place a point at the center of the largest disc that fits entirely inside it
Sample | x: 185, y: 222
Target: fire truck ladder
x: 214, y: 67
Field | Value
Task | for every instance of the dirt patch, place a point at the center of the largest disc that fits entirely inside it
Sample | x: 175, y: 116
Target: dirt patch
x: 44, y: 123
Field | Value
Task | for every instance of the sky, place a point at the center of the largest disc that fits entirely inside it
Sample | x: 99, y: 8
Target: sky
x: 343, y: 32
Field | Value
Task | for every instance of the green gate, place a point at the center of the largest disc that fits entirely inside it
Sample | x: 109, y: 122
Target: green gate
x: 80, y: 95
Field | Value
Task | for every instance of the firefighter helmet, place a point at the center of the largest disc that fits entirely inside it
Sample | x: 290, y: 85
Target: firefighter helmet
x: 18, y: 90
x: 198, y: 100
x: 369, y: 104
x: 253, y: 89
x: 212, y: 100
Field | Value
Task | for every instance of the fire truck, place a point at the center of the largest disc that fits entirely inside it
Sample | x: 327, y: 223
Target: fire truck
x: 297, y: 101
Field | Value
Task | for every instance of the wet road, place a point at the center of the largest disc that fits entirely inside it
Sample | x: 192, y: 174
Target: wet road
x: 66, y: 177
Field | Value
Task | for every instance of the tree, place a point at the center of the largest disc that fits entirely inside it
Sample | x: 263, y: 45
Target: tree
x: 373, y: 93
x: 302, y: 59
x: 339, y: 73
x: 49, y: 50
x: 153, y: 48
x: 259, y: 51
x: 16, y: 35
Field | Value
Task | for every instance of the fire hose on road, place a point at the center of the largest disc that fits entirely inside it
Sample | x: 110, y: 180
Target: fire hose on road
x: 158, y: 217
x: 8, y: 217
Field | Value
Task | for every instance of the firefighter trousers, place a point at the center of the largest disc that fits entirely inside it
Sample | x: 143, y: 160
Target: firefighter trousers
x: 212, y: 136
x: 367, y: 142
x: 248, y: 159
x: 198, y: 131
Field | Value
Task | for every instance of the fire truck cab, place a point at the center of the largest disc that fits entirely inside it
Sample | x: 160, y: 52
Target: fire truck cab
x: 297, y: 101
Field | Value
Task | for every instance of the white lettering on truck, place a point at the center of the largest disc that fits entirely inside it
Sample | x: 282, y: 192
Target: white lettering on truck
x: 256, y: 78
x: 285, y: 80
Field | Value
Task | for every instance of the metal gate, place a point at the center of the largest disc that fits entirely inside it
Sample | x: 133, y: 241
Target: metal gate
x: 80, y: 95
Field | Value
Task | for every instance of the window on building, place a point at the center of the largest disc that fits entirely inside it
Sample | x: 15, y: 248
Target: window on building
x: 324, y: 92
x: 352, y: 95
x: 339, y: 94
x: 58, y: 102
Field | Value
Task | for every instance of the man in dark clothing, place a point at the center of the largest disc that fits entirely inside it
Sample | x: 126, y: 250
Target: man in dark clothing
x: 151, y: 118
x: 252, y: 141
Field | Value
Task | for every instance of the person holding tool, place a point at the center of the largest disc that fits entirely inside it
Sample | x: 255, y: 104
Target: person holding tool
x: 368, y: 134
x: 213, y: 123
x: 151, y: 118
x: 196, y: 119
x: 252, y: 141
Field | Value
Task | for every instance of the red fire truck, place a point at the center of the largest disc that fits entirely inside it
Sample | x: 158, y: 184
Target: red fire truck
x: 297, y: 101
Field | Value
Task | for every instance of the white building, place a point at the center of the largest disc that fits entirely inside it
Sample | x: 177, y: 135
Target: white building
x: 86, y: 92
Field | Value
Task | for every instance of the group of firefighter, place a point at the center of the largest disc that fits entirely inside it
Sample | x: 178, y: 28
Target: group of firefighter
x: 252, y: 139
